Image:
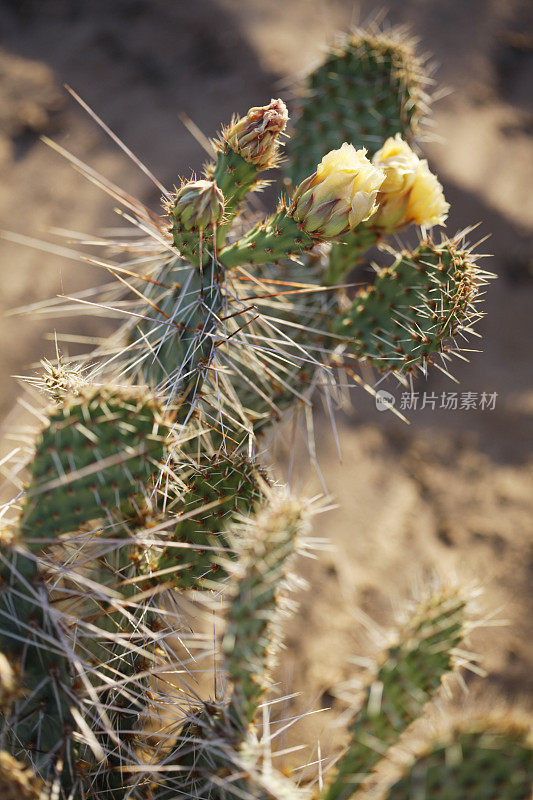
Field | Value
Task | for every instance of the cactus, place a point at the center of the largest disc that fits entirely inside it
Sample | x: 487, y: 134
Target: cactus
x: 407, y: 674
x: 485, y: 759
x: 94, y: 456
x: 145, y: 495
x: 416, y: 306
x: 37, y: 725
x: 217, y: 491
x: 260, y: 576
x: 370, y: 86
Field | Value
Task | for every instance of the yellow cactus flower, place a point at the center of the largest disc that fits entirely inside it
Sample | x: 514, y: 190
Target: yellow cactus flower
x: 255, y: 137
x: 410, y: 193
x: 339, y: 195
x: 198, y: 205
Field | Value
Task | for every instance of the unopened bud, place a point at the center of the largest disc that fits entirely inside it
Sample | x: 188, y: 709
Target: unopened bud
x: 198, y: 205
x: 339, y: 195
x: 410, y: 193
x: 255, y: 137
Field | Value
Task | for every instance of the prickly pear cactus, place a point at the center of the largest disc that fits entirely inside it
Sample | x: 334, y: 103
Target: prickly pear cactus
x: 369, y: 87
x: 411, y: 313
x: 217, y: 492
x: 483, y: 760
x: 145, y: 496
x: 94, y: 457
x: 406, y: 676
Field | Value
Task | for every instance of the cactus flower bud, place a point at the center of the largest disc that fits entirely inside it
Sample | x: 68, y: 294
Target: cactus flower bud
x: 198, y: 205
x: 339, y: 195
x: 255, y: 137
x: 410, y: 192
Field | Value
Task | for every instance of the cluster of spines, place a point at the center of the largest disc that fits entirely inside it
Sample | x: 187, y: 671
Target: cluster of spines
x: 215, y: 755
x: 488, y: 758
x: 370, y: 86
x: 260, y: 576
x: 406, y: 676
x: 170, y: 341
x: 213, y: 495
x: 415, y: 308
x: 38, y: 722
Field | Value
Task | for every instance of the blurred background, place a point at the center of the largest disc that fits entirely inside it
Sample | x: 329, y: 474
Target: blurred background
x: 452, y: 492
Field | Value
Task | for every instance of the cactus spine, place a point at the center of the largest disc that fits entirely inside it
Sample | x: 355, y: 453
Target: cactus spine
x: 407, y: 675
x: 487, y: 759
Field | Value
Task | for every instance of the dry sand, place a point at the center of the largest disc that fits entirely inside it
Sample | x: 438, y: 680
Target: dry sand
x: 449, y: 494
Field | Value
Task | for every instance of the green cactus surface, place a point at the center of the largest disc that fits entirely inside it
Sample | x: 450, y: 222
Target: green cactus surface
x: 346, y: 255
x: 220, y: 488
x: 38, y: 725
x: 369, y: 87
x: 94, y: 457
x: 274, y: 239
x: 487, y: 760
x: 407, y: 675
x: 265, y: 555
x: 171, y: 343
x: 414, y: 308
x: 213, y: 763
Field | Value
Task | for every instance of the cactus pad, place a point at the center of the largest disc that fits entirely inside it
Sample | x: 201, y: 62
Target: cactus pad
x: 39, y: 723
x: 485, y: 760
x: 369, y: 87
x: 172, y: 343
x: 213, y: 762
x: 346, y: 255
x: 414, y: 308
x: 234, y: 485
x: 406, y: 677
x: 265, y: 554
x: 95, y: 456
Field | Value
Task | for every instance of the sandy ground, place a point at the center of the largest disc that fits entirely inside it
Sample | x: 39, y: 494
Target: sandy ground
x: 450, y: 494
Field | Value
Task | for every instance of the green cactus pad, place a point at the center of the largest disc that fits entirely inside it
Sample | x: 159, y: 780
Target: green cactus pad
x: 265, y: 554
x: 486, y: 760
x: 277, y: 238
x: 369, y: 87
x: 197, y: 247
x: 214, y: 763
x: 347, y: 254
x: 235, y: 486
x: 94, y: 457
x: 414, y: 308
x: 235, y: 177
x: 38, y: 725
x: 172, y: 342
x: 406, y: 677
